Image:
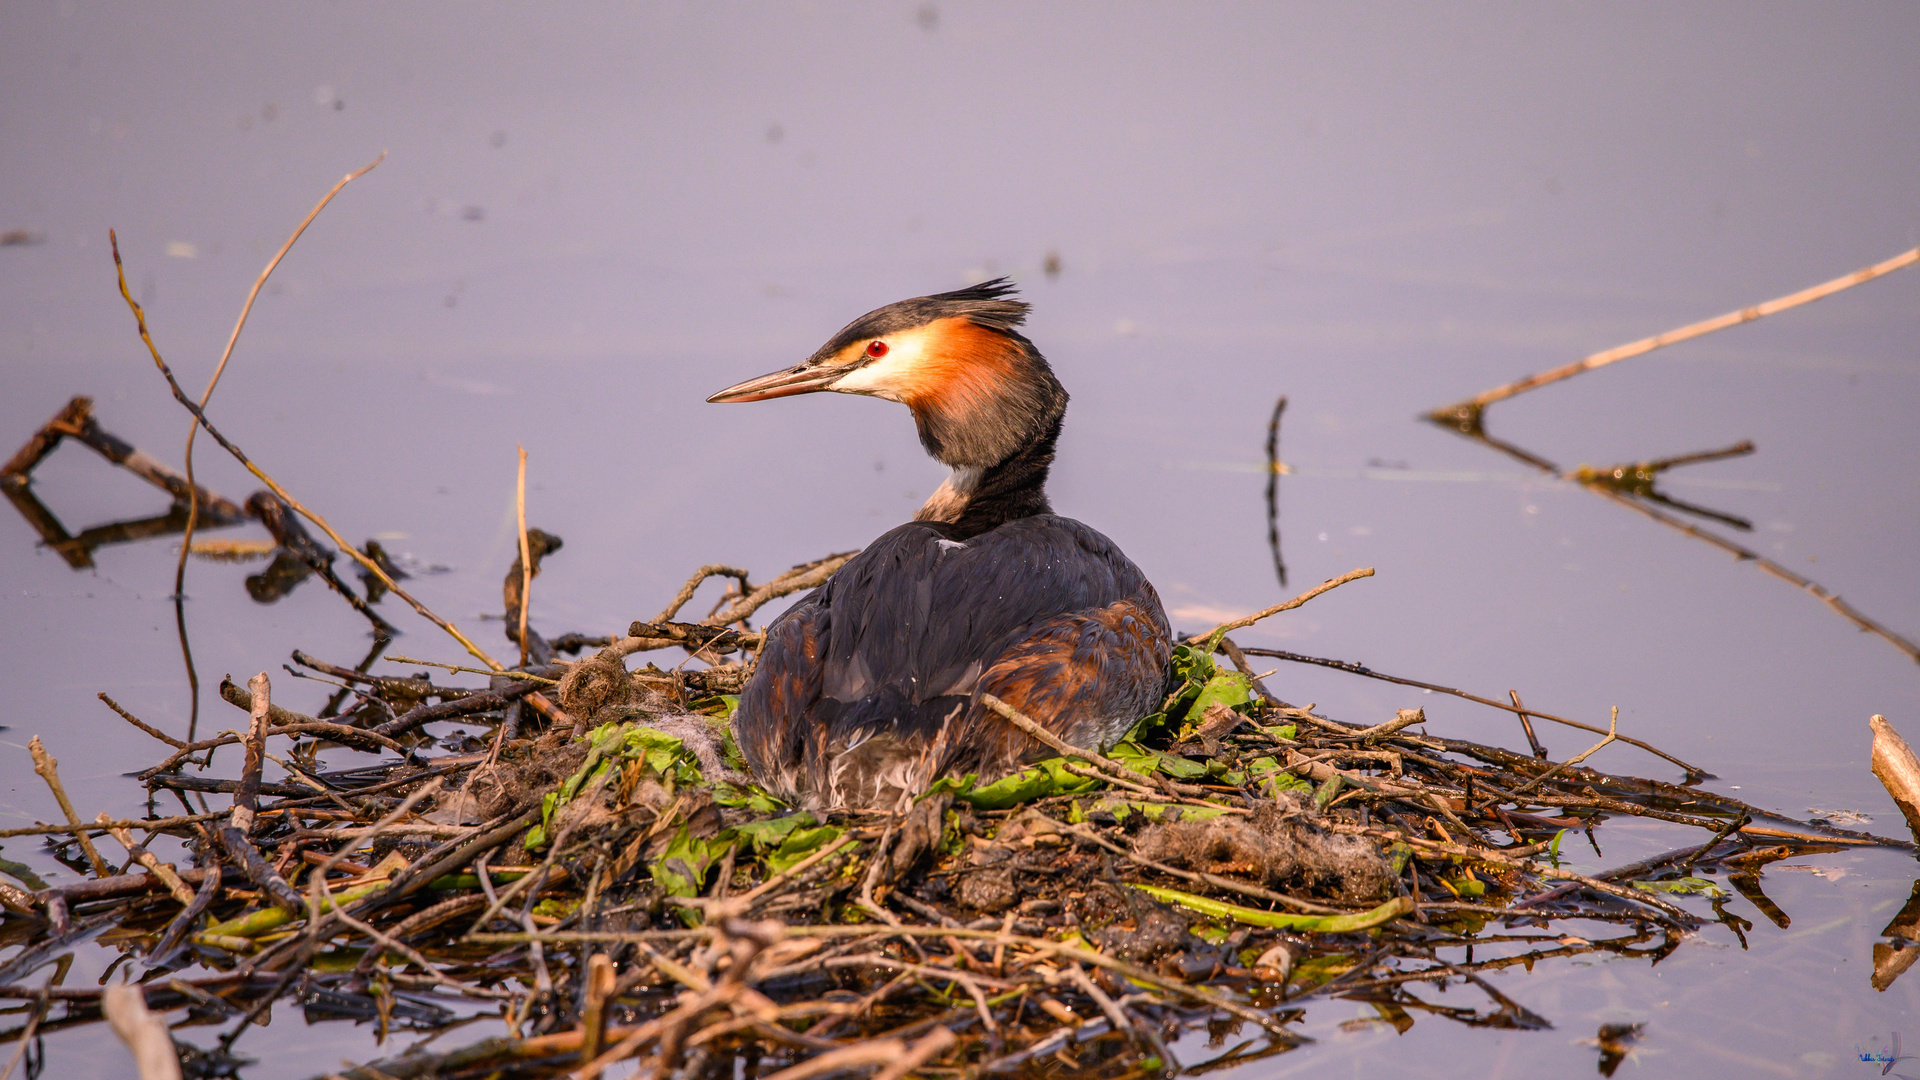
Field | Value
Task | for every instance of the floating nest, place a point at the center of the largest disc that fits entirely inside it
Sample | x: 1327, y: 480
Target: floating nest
x: 575, y: 852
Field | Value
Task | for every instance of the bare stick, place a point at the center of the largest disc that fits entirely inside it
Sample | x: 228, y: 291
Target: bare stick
x: 1526, y: 725
x: 193, y: 494
x: 373, y: 567
x: 49, y: 770
x: 1894, y: 763
x: 686, y: 591
x: 144, y: 1032
x: 526, y: 554
x: 1053, y: 742
x: 1613, y: 732
x: 520, y: 675
x: 1467, y: 412
x: 26, y: 1038
x: 1362, y: 669
x: 136, y: 722
x: 1213, y: 636
x: 796, y: 869
x: 148, y: 859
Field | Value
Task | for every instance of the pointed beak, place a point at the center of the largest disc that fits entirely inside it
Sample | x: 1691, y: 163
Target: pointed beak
x: 804, y: 379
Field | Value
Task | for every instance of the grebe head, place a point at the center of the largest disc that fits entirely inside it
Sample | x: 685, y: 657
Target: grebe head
x: 980, y: 392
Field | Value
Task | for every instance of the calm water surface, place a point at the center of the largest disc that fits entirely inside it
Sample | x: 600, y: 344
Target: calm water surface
x: 591, y: 219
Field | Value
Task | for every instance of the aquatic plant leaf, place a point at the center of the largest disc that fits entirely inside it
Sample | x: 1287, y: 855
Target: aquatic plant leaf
x: 1038, y: 781
x: 1312, y: 924
x: 717, y: 705
x: 682, y: 868
x: 1685, y: 886
x: 801, y: 843
x: 1229, y: 688
x: 752, y: 798
x: 1152, y: 811
x: 769, y: 834
x: 1147, y: 761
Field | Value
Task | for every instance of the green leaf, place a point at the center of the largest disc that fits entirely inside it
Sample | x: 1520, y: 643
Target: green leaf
x: 1685, y: 886
x: 682, y: 868
x: 1229, y: 688
x: 1313, y: 924
x: 752, y: 798
x: 769, y: 834
x: 1152, y: 811
x: 1038, y: 781
x: 717, y: 705
x: 1147, y: 761
x: 801, y: 843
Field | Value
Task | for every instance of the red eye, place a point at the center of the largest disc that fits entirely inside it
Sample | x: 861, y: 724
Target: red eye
x: 876, y: 349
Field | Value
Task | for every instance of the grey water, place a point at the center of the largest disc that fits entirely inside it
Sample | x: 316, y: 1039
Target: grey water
x: 589, y: 218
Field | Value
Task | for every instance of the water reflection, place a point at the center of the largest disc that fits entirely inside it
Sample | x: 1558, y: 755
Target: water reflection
x: 76, y: 421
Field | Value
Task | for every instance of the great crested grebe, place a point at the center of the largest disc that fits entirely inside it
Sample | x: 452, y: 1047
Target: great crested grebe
x: 869, y: 689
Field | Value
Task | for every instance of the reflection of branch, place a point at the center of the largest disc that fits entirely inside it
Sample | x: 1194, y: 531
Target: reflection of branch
x: 1466, y: 415
x: 1638, y: 480
x: 1807, y: 585
x: 1274, y: 469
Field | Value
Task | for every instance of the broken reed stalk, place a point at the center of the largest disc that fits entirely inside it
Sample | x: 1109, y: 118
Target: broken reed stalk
x: 246, y: 309
x: 526, y: 554
x: 1212, y: 637
x: 49, y: 770
x: 1468, y: 411
x: 370, y: 565
x: 144, y: 1032
x: 1897, y: 769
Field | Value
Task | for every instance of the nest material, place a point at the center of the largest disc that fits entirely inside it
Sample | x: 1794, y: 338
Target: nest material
x: 1279, y: 846
x: 640, y: 888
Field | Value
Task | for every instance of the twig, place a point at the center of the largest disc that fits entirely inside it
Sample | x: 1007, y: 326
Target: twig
x: 246, y: 309
x: 520, y: 675
x: 1613, y: 732
x: 795, y: 870
x: 1211, y: 880
x: 26, y: 1036
x: 1212, y: 637
x: 148, y: 859
x: 526, y: 555
x: 49, y: 770
x: 1053, y: 742
x: 1361, y: 669
x: 1468, y: 411
x: 239, y: 455
x: 934, y: 1042
x: 1526, y: 725
x: 136, y: 722
x: 693, y: 583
